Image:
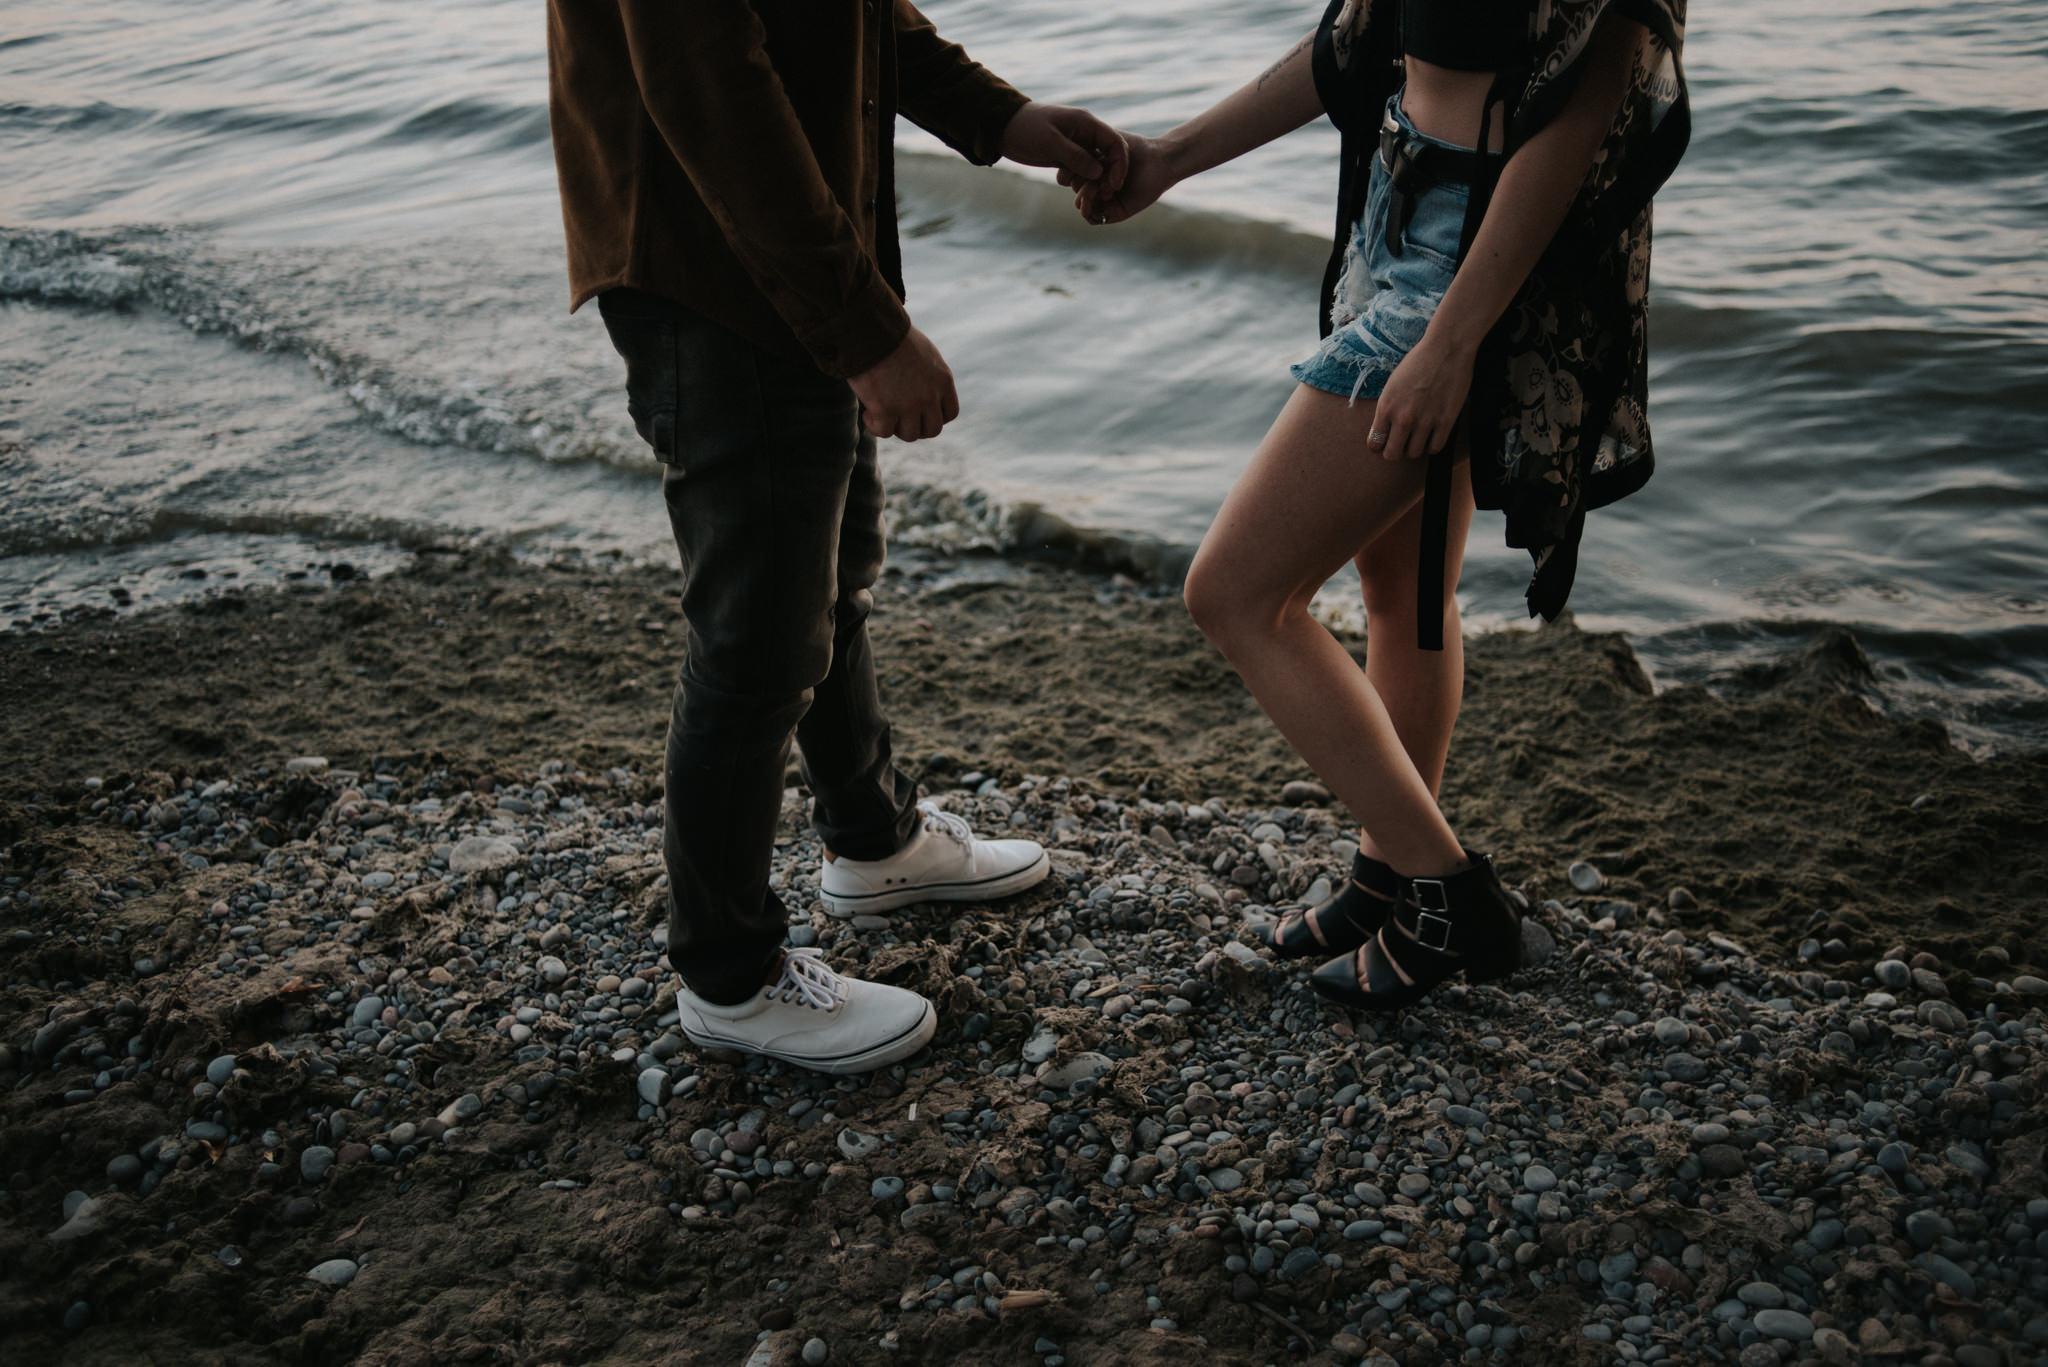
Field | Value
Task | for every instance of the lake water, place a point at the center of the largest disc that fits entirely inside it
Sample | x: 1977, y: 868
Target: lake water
x: 281, y: 285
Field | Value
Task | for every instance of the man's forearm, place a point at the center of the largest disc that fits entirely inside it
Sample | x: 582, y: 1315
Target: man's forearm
x: 948, y: 94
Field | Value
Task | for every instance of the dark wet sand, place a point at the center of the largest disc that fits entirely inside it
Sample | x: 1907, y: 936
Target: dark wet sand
x: 1791, y: 808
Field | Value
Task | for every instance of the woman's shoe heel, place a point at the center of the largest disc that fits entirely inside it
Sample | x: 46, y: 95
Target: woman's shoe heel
x: 1499, y: 954
x: 1492, y: 968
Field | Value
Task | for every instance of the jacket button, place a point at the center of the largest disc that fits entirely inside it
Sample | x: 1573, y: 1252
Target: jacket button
x: 867, y: 106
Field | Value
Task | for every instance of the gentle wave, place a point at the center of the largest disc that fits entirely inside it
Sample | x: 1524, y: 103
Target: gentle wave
x: 154, y: 525
x: 512, y: 126
x: 1943, y: 145
x: 97, y: 117
x: 1976, y: 493
x: 246, y: 119
x: 945, y: 194
x: 954, y: 522
x: 929, y: 517
x: 158, y: 267
x: 259, y: 302
x: 259, y: 299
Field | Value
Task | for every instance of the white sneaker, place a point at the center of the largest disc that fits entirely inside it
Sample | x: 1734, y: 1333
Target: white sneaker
x: 814, y: 1018
x: 942, y: 863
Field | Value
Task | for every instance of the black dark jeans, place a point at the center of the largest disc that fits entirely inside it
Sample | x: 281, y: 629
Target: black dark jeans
x: 776, y: 505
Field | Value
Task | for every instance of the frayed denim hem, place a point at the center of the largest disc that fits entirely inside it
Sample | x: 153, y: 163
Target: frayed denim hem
x: 1350, y: 382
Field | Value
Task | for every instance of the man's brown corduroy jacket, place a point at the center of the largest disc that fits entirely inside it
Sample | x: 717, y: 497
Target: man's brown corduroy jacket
x: 735, y: 156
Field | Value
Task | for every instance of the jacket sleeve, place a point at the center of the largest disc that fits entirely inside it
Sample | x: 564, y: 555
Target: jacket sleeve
x: 707, y: 83
x: 948, y: 94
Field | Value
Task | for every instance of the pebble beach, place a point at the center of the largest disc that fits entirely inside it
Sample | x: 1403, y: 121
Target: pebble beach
x: 336, y: 1027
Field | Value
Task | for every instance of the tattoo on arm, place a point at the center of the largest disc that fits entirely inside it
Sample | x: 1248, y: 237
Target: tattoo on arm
x: 1274, y: 70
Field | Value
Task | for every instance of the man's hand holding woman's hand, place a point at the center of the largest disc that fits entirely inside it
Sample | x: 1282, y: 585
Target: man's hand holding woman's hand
x: 1074, y: 141
x: 1113, y: 175
x: 1149, y: 176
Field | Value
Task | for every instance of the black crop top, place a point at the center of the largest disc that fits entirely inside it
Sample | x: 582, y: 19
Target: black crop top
x: 1467, y: 35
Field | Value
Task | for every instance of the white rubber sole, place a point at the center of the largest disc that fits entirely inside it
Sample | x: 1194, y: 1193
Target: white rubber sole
x: 983, y: 890
x: 874, y: 1056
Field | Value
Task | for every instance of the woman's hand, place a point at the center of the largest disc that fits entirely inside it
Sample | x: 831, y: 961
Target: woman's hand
x: 1149, y: 177
x: 1424, y: 398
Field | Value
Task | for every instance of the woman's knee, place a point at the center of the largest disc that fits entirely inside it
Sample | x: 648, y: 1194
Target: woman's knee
x: 1213, y: 600
x: 1230, y: 611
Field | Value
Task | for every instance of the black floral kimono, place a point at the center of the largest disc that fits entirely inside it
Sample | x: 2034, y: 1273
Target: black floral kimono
x: 1558, y: 417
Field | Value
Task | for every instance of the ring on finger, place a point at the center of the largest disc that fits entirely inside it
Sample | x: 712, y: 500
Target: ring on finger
x: 1376, y: 437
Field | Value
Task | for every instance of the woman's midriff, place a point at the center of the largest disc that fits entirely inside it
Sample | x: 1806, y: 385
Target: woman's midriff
x: 1445, y: 103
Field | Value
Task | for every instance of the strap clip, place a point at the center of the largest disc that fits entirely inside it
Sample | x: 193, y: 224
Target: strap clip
x: 1430, y: 917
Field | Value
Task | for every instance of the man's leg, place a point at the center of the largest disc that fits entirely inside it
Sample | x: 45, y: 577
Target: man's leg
x: 758, y: 451
x: 865, y: 808
x: 883, y: 852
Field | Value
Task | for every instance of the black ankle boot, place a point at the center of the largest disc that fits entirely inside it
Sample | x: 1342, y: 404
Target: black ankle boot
x: 1463, y: 922
x: 1344, y: 922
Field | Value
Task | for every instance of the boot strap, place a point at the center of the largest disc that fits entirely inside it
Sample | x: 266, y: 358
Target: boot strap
x: 1311, y: 918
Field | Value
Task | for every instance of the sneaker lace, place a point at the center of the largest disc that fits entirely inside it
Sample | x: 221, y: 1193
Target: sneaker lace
x: 946, y: 824
x: 805, y: 978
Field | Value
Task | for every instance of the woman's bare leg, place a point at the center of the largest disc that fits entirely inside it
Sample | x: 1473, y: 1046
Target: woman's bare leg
x: 1312, y: 496
x: 1421, y: 689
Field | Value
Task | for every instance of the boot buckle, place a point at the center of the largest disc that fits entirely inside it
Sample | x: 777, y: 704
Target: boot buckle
x: 1430, y: 918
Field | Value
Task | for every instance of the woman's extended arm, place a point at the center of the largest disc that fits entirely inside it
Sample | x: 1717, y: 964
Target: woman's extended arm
x: 1282, y: 99
x: 1426, y: 393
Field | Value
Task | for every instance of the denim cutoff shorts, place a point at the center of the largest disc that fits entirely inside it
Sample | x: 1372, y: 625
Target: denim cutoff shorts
x: 1383, y: 302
